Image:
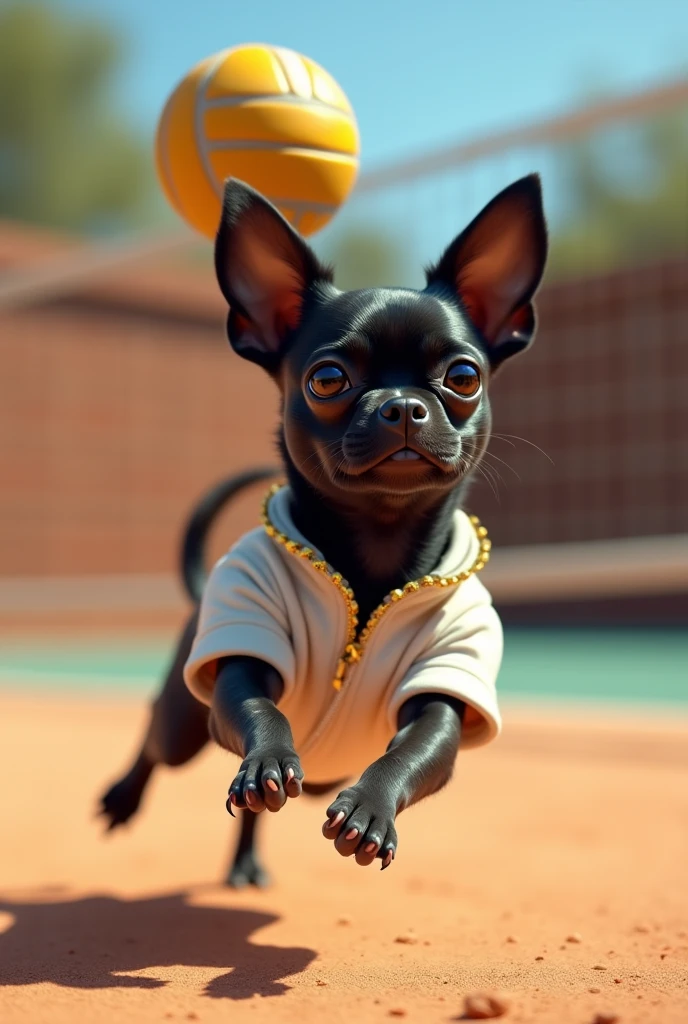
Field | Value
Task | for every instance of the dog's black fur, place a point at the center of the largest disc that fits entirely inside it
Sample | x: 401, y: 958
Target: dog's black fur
x: 363, y: 376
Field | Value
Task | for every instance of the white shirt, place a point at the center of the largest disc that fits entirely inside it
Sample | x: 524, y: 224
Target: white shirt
x: 266, y: 601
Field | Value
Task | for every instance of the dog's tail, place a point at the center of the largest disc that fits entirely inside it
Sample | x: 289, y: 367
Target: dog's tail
x: 193, y: 570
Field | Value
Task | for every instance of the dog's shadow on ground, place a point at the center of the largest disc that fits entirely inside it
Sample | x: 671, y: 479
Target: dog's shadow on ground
x: 99, y: 941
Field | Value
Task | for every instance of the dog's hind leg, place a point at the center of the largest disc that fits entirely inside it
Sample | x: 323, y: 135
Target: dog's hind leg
x: 246, y: 868
x: 177, y: 731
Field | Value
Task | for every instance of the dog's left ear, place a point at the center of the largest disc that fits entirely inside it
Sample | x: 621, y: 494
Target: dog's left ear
x: 496, y: 265
x: 264, y: 269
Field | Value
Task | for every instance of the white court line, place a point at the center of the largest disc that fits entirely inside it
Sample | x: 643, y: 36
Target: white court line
x: 82, y: 680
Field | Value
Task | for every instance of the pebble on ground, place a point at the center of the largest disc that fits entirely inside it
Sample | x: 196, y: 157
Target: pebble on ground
x: 481, y: 1006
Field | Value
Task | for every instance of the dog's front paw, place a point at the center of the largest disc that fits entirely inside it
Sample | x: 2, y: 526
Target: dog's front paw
x: 361, y: 822
x: 265, y: 779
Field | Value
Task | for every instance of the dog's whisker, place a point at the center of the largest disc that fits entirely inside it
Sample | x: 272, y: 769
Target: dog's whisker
x: 526, y: 441
x: 489, y: 480
x: 494, y: 474
x: 493, y: 481
x: 516, y: 437
x: 487, y: 471
x: 499, y: 437
x: 329, y: 446
x: 491, y: 455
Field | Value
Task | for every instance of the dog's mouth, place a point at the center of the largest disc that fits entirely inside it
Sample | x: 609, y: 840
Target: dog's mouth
x: 403, y: 471
x: 405, y: 464
x: 414, y: 458
x: 408, y: 463
x: 405, y: 455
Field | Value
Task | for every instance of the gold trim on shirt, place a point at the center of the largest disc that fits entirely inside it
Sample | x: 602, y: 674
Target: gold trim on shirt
x: 355, y: 645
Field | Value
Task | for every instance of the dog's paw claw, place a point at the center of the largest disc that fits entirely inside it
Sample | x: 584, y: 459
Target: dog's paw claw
x: 360, y: 822
x: 265, y: 780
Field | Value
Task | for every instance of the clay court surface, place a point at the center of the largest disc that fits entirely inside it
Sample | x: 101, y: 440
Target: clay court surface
x: 571, y: 827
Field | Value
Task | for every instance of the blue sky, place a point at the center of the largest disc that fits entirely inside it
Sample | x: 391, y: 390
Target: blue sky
x: 419, y: 74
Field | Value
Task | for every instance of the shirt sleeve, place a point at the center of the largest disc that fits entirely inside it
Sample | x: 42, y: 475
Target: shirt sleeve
x: 243, y: 612
x: 462, y: 660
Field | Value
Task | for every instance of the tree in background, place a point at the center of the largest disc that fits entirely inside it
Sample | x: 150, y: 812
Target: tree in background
x: 624, y: 207
x: 365, y: 257
x: 67, y: 160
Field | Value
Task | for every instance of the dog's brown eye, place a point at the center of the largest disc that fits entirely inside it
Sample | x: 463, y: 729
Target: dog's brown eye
x: 328, y: 381
x: 464, y: 379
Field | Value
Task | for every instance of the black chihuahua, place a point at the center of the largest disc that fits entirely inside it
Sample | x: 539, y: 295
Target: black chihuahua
x: 305, y: 657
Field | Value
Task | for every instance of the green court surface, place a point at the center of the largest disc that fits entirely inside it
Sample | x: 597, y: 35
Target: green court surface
x: 627, y: 666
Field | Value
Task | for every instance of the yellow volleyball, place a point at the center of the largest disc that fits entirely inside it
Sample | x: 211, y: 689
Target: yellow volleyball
x: 268, y: 116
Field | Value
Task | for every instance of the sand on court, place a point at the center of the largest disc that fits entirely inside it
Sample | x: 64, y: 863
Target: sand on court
x: 554, y: 871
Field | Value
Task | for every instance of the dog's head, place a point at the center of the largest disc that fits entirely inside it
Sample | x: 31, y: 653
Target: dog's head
x: 385, y: 390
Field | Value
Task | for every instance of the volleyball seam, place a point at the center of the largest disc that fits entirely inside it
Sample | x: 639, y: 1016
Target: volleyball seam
x: 280, y: 70
x: 163, y: 154
x: 290, y: 99
x: 199, y: 128
x: 304, y: 207
x: 281, y: 147
x: 293, y: 68
x: 204, y: 146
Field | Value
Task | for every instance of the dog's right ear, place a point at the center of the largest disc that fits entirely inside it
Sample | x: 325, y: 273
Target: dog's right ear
x: 495, y: 266
x: 264, y: 269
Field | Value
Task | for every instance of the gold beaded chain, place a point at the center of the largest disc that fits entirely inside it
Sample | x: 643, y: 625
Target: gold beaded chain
x: 353, y: 651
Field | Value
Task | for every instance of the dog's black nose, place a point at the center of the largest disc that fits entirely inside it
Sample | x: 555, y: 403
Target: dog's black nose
x: 399, y: 411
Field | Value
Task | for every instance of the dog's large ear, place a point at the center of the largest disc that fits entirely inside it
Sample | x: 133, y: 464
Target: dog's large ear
x: 496, y: 265
x: 264, y: 269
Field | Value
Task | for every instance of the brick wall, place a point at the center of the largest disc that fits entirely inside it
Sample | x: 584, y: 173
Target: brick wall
x: 113, y: 422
